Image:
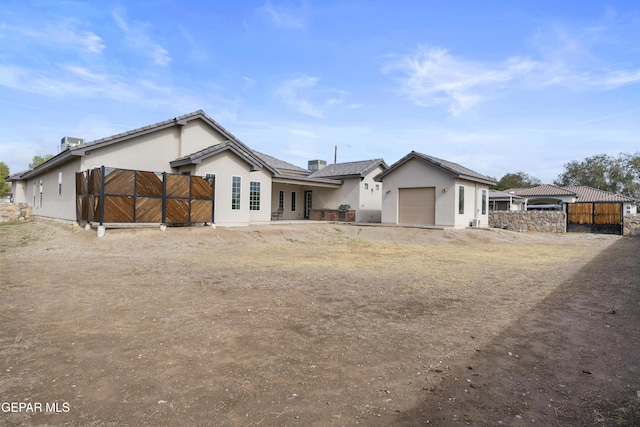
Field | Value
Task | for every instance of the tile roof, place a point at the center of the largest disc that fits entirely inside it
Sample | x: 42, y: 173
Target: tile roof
x: 360, y: 168
x: 541, y: 190
x: 590, y: 194
x: 235, y: 146
x: 281, y: 166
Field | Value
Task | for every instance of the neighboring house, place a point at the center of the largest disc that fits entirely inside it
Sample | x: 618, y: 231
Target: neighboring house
x: 553, y: 197
x: 544, y: 197
x: 249, y: 186
x: 586, y: 194
x: 501, y: 201
x: 424, y: 190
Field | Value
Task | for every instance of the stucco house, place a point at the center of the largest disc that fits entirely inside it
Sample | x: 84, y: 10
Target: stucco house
x: 424, y: 190
x: 250, y: 187
x: 553, y: 197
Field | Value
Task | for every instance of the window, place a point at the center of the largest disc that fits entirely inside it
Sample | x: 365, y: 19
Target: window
x: 235, y: 192
x: 484, y: 202
x: 293, y: 201
x: 281, y: 201
x: 377, y: 187
x: 35, y: 191
x: 461, y: 199
x: 59, y: 183
x: 366, y: 186
x: 254, y: 196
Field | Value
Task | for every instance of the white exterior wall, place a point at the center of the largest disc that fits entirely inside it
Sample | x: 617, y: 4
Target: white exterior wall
x: 629, y: 209
x: 195, y: 136
x: 332, y: 198
x: 262, y: 176
x: 472, y: 203
x: 288, y: 189
x: 366, y: 202
x: 370, y: 208
x: 225, y: 166
x: 19, y: 192
x: 54, y: 205
x: 151, y: 152
x: 416, y: 173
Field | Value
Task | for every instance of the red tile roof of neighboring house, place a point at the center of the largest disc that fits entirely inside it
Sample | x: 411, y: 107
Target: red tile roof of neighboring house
x: 541, y: 190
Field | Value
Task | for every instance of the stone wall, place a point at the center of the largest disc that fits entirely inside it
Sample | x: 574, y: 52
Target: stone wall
x: 544, y: 221
x: 12, y: 212
x: 632, y: 225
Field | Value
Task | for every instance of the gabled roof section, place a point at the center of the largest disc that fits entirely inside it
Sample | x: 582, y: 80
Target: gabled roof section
x: 236, y: 147
x: 281, y: 167
x: 17, y: 176
x: 81, y: 149
x: 590, y: 194
x: 455, y: 169
x: 349, y: 169
x: 541, y: 190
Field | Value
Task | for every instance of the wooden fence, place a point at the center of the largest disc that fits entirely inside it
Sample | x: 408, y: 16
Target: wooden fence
x: 604, y: 218
x: 130, y: 196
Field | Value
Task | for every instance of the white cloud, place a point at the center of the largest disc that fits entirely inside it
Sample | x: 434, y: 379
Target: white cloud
x: 138, y: 39
x: 60, y: 35
x: 304, y: 94
x: 284, y: 17
x: 248, y: 83
x: 433, y: 76
x: 290, y: 93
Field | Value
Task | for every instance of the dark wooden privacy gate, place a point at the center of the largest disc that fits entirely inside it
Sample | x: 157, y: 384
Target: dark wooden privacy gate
x: 604, y: 218
x: 122, y: 195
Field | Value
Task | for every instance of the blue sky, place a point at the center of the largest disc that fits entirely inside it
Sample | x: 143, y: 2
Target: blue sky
x: 497, y: 86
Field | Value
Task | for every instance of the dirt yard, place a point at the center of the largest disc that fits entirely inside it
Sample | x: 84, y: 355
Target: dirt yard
x: 317, y: 325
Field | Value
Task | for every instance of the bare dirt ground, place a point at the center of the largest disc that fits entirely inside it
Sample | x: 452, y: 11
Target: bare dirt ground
x: 317, y: 325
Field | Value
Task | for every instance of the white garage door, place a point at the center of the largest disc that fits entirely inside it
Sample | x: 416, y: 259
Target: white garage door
x: 417, y: 206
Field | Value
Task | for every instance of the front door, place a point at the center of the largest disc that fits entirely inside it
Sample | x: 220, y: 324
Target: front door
x: 307, y: 204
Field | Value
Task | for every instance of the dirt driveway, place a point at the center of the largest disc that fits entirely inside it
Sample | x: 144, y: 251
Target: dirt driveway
x: 317, y: 325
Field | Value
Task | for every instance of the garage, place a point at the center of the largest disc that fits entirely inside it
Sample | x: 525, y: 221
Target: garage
x: 417, y: 205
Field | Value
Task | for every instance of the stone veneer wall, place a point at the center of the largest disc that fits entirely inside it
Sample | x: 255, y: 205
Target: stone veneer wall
x: 544, y: 221
x: 12, y: 212
x: 632, y: 225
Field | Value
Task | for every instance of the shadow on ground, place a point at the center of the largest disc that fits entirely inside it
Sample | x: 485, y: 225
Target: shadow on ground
x: 572, y: 360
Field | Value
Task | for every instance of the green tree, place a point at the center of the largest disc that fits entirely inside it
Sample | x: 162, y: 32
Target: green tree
x: 517, y: 180
x: 619, y: 175
x: 38, y: 160
x: 5, y: 187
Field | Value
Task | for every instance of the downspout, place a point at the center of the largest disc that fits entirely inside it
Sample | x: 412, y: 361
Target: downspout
x: 475, y: 205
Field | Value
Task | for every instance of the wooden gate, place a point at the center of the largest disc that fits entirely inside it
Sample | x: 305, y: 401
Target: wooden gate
x: 604, y: 218
x: 122, y: 195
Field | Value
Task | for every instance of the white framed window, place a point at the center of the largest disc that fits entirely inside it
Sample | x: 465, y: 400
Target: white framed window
x: 484, y: 202
x: 366, y: 185
x: 461, y: 199
x: 59, y: 183
x: 281, y: 201
x: 293, y: 201
x: 236, y: 185
x: 254, y: 196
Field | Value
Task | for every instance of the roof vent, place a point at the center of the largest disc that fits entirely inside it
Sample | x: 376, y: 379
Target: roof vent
x: 70, y: 142
x: 316, y: 165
